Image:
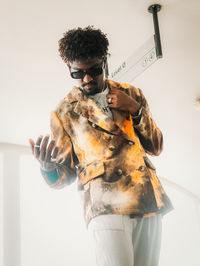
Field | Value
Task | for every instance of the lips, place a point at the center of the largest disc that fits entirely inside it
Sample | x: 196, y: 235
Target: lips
x: 89, y: 85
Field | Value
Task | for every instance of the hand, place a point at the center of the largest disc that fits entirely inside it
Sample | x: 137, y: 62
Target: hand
x: 121, y: 101
x: 45, y: 153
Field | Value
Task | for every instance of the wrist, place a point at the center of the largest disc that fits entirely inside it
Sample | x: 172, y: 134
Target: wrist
x: 48, y: 167
x: 51, y: 177
x: 137, y: 117
x: 135, y: 109
x: 138, y: 113
x: 48, y: 170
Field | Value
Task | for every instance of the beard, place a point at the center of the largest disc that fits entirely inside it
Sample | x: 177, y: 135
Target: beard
x: 90, y: 88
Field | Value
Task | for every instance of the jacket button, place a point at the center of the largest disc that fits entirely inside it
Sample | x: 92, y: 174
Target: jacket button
x: 141, y: 168
x: 119, y: 172
x: 111, y: 148
x: 93, y: 125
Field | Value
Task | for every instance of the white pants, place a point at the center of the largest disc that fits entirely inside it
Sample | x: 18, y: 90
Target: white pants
x: 119, y: 240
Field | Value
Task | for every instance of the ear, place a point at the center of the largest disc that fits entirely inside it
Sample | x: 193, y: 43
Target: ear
x: 68, y: 65
x: 104, y: 62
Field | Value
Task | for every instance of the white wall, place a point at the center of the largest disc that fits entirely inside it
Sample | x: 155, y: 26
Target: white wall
x: 10, y: 211
x: 181, y: 231
x: 45, y: 226
x: 1, y: 209
x: 52, y: 228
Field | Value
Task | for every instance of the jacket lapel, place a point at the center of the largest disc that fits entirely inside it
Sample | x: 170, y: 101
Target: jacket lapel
x: 118, y: 117
x: 88, y: 108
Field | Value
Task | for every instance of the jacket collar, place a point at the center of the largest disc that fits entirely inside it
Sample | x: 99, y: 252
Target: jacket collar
x: 88, y: 108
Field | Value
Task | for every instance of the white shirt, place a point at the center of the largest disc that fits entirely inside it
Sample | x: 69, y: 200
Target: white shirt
x: 100, y: 99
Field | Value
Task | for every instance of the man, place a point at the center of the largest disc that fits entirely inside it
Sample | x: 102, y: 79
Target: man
x: 101, y: 133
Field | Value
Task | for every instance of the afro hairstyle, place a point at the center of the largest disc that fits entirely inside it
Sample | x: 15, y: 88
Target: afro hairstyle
x: 80, y: 44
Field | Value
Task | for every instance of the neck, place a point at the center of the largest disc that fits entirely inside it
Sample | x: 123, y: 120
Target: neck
x: 104, y: 86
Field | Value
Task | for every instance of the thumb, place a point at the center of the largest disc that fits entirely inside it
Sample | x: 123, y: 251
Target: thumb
x: 112, y: 91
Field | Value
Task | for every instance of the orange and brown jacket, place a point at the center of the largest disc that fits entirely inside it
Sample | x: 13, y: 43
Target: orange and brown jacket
x: 108, y: 157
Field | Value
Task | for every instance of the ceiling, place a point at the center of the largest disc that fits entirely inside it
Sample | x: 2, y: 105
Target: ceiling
x: 34, y: 78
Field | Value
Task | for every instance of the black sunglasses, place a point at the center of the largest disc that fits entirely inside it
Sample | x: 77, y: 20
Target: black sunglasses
x: 93, y: 72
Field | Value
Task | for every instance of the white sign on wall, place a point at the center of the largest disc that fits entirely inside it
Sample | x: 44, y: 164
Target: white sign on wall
x: 140, y: 60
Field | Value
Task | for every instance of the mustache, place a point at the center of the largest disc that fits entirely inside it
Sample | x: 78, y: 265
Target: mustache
x: 89, y: 83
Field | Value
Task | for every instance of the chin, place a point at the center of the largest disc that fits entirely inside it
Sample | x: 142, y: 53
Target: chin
x: 90, y: 91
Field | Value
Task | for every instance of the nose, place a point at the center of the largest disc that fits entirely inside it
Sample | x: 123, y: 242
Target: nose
x: 87, y: 78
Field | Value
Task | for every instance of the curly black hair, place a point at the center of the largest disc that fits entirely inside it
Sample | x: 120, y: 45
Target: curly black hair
x: 82, y: 44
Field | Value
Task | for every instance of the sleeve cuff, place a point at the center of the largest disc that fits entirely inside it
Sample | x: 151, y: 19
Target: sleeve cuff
x: 137, y: 118
x: 52, y: 176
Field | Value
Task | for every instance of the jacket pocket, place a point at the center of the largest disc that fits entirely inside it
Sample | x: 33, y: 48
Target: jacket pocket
x: 91, y: 171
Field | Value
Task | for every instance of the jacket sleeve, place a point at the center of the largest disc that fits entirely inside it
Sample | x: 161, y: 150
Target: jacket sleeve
x: 149, y: 134
x: 65, y: 172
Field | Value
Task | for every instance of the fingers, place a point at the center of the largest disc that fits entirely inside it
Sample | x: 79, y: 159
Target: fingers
x: 119, y: 100
x: 112, y: 100
x: 43, y: 148
x: 32, y: 145
x: 113, y: 91
x: 113, y: 94
x: 109, y: 100
x: 50, y: 159
x: 37, y: 147
x: 110, y: 95
x: 55, y: 153
x: 49, y: 151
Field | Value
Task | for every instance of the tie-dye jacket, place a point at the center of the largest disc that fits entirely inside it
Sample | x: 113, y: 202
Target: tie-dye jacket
x: 108, y: 157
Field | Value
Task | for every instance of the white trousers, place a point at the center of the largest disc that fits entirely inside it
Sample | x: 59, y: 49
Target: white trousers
x: 119, y: 240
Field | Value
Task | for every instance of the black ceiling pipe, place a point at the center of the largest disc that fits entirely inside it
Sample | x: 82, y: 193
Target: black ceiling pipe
x: 154, y: 9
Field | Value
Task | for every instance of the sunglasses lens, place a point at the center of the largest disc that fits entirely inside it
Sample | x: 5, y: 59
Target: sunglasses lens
x: 77, y: 75
x: 92, y: 72
x: 95, y: 71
